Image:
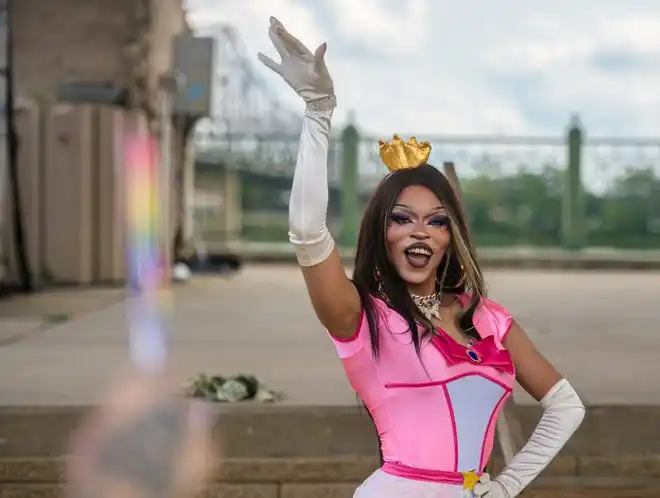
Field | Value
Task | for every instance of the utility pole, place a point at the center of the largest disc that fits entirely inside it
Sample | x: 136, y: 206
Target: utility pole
x: 169, y: 85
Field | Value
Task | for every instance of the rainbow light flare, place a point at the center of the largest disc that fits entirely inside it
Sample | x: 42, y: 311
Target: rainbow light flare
x: 147, y: 267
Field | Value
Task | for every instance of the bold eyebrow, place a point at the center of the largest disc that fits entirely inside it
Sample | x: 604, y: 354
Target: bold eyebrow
x: 408, y: 208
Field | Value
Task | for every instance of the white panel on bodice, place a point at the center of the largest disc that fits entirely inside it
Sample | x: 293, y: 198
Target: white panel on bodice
x: 473, y: 399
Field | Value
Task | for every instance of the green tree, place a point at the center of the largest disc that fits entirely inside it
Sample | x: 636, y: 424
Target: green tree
x: 522, y: 208
x: 630, y: 211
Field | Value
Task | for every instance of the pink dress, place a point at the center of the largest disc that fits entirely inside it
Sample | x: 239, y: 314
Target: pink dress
x: 435, y: 417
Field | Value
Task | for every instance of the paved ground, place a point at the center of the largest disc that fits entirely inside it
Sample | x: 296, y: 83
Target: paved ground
x: 594, y: 258
x: 601, y: 329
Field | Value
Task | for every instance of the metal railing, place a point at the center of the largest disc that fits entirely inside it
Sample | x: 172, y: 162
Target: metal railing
x: 568, y: 191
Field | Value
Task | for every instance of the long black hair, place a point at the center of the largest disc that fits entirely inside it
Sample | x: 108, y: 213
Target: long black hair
x: 375, y: 275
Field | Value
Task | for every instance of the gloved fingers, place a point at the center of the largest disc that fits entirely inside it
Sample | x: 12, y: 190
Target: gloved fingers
x: 491, y: 489
x: 293, y: 44
x: 269, y: 63
x: 319, y: 53
x: 277, y: 41
x: 481, y: 489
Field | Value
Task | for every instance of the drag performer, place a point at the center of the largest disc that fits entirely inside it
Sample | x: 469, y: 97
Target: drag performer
x: 430, y: 356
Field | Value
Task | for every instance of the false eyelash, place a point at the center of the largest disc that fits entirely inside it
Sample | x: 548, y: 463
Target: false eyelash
x: 399, y: 218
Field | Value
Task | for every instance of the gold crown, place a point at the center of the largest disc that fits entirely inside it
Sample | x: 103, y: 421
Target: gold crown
x: 398, y: 154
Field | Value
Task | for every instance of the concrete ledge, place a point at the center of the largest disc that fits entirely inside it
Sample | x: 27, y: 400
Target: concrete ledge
x: 565, y: 470
x: 280, y: 431
x: 332, y: 490
x: 337, y: 477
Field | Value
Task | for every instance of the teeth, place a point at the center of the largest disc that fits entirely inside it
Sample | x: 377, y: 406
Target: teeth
x: 420, y: 251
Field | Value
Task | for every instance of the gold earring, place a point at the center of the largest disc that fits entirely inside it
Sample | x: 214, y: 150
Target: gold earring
x: 461, y: 280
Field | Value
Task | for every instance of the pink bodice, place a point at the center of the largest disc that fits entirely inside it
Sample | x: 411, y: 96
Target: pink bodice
x: 438, y: 413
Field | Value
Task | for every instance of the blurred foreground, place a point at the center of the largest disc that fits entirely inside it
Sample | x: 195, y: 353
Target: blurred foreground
x: 142, y: 442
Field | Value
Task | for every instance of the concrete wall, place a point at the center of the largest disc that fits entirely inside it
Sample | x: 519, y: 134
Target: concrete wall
x: 72, y: 193
x: 92, y: 40
x: 278, y: 451
x: 29, y: 129
x: 62, y: 40
x: 167, y: 18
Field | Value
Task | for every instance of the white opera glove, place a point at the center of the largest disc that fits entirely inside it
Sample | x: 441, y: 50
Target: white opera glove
x: 308, y: 75
x: 563, y: 413
x: 303, y: 70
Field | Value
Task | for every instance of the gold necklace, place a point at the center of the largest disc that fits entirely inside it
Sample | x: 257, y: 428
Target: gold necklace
x: 429, y: 305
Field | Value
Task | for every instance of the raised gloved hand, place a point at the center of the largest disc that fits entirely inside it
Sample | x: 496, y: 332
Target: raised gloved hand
x: 303, y: 70
x: 308, y: 75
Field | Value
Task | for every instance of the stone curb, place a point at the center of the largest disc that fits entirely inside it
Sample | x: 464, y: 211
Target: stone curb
x: 540, y: 489
x: 266, y: 431
x: 571, y: 470
x: 334, y: 490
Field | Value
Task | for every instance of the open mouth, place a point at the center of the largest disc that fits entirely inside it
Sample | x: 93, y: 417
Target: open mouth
x: 418, y: 254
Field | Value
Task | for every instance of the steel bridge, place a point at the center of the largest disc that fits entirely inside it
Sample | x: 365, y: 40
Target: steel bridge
x: 253, y: 132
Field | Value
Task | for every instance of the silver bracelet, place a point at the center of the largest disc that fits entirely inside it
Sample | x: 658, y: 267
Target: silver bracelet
x: 323, y: 104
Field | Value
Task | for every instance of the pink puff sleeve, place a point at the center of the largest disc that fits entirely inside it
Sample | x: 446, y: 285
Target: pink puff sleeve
x: 350, y: 346
x: 361, y: 339
x: 492, y: 318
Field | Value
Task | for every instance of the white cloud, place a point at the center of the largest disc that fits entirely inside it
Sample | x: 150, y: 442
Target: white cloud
x: 635, y: 31
x: 250, y: 17
x: 380, y: 26
x: 473, y: 67
x: 563, y: 59
x: 554, y: 45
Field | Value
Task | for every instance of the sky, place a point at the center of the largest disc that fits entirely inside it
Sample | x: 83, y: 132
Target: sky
x: 470, y: 67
